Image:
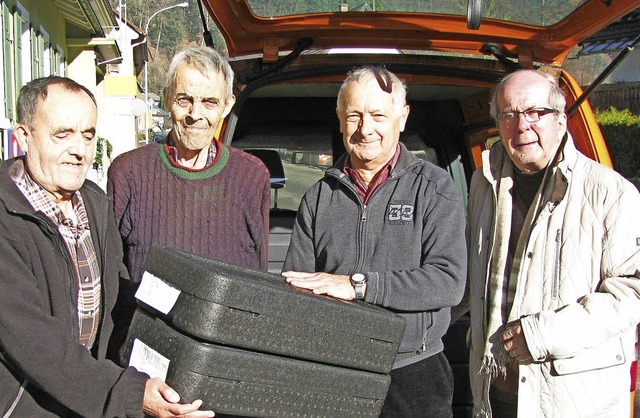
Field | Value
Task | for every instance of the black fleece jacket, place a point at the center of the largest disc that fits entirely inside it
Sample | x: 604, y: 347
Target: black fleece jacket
x: 44, y: 371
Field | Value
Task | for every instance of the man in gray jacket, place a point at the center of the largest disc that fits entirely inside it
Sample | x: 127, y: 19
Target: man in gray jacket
x: 554, y: 266
x: 386, y: 227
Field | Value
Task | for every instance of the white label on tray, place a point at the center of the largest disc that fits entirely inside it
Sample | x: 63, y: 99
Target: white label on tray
x: 156, y: 293
x: 147, y: 360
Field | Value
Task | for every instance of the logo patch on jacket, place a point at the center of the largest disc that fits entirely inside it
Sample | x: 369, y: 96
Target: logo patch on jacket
x: 400, y: 213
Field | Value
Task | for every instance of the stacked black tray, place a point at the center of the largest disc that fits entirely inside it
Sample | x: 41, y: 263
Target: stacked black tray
x: 246, y: 343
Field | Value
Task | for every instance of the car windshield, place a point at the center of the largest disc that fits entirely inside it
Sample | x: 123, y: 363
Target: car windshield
x: 531, y: 12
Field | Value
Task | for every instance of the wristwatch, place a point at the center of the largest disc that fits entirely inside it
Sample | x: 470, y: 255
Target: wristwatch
x: 358, y: 282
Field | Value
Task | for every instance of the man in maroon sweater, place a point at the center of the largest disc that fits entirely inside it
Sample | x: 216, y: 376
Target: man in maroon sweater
x: 190, y: 192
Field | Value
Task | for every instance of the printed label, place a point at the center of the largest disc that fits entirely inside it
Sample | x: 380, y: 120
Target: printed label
x: 156, y: 293
x: 146, y: 360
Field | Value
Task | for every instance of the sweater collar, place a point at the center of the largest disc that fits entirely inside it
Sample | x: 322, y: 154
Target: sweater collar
x: 172, y: 152
x: 9, y: 192
x: 221, y: 161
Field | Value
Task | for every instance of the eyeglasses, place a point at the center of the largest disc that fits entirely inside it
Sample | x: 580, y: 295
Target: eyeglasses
x: 530, y: 115
x: 209, y: 103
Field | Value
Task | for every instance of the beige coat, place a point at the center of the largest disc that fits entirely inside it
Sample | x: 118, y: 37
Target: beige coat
x: 578, y: 288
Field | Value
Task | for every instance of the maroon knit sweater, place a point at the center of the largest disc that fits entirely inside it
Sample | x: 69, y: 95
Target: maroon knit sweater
x: 221, y: 212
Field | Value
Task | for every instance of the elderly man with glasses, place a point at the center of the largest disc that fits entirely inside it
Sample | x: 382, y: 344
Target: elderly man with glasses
x: 554, y: 261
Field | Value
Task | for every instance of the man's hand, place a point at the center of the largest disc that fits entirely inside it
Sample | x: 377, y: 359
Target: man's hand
x: 336, y: 285
x: 515, y: 344
x: 160, y: 400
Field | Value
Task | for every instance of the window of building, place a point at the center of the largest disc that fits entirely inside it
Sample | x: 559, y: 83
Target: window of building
x: 8, y: 60
x: 40, y: 62
x: 22, y: 46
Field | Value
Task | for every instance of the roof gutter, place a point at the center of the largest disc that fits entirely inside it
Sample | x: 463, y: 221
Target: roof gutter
x: 99, y: 14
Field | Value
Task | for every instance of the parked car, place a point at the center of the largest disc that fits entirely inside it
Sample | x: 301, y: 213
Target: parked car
x: 290, y: 58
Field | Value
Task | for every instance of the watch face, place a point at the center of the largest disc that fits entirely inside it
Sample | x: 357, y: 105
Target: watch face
x: 358, y: 278
x: 358, y: 281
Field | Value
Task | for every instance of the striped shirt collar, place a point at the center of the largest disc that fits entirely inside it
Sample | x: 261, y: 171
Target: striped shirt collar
x: 76, y: 236
x: 172, y: 152
x: 365, y: 191
x: 40, y: 199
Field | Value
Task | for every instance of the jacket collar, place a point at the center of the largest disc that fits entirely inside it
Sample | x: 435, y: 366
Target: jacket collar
x: 12, y: 197
x: 495, y: 158
x: 15, y: 201
x: 497, y: 164
x: 406, y: 159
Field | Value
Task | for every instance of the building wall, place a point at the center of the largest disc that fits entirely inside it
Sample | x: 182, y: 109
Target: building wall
x: 118, y: 95
x: 83, y: 70
x: 33, y: 45
x: 36, y: 43
x: 628, y: 70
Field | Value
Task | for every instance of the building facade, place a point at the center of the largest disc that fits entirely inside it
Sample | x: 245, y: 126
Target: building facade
x: 85, y: 40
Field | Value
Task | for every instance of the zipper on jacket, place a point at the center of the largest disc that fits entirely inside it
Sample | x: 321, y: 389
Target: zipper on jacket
x: 361, y: 240
x: 556, y: 266
x: 423, y: 346
x: 342, y: 178
x: 103, y: 293
x: 70, y: 274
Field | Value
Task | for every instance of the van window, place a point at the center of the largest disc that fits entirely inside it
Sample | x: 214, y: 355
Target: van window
x: 305, y: 155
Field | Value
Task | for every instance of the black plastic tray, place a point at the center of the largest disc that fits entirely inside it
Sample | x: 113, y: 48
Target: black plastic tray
x: 240, y: 382
x: 240, y: 307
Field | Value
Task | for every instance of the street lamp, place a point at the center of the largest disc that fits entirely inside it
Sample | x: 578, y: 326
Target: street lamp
x: 146, y: 71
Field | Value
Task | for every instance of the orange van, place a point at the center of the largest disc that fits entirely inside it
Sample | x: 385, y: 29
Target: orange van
x: 290, y: 58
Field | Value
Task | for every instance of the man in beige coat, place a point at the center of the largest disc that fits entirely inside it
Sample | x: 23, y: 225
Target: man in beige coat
x: 554, y: 266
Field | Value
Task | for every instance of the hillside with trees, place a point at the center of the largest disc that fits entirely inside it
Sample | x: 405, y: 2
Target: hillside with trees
x: 169, y: 32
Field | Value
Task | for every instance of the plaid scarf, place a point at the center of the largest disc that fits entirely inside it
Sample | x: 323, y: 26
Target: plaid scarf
x: 502, y: 308
x: 495, y: 356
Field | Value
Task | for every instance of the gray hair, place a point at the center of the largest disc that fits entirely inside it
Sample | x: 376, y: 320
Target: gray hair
x: 557, y: 100
x: 387, y: 81
x: 35, y: 92
x: 206, y: 60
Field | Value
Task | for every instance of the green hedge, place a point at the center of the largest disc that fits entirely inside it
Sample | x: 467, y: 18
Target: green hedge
x: 103, y: 152
x: 621, y: 130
